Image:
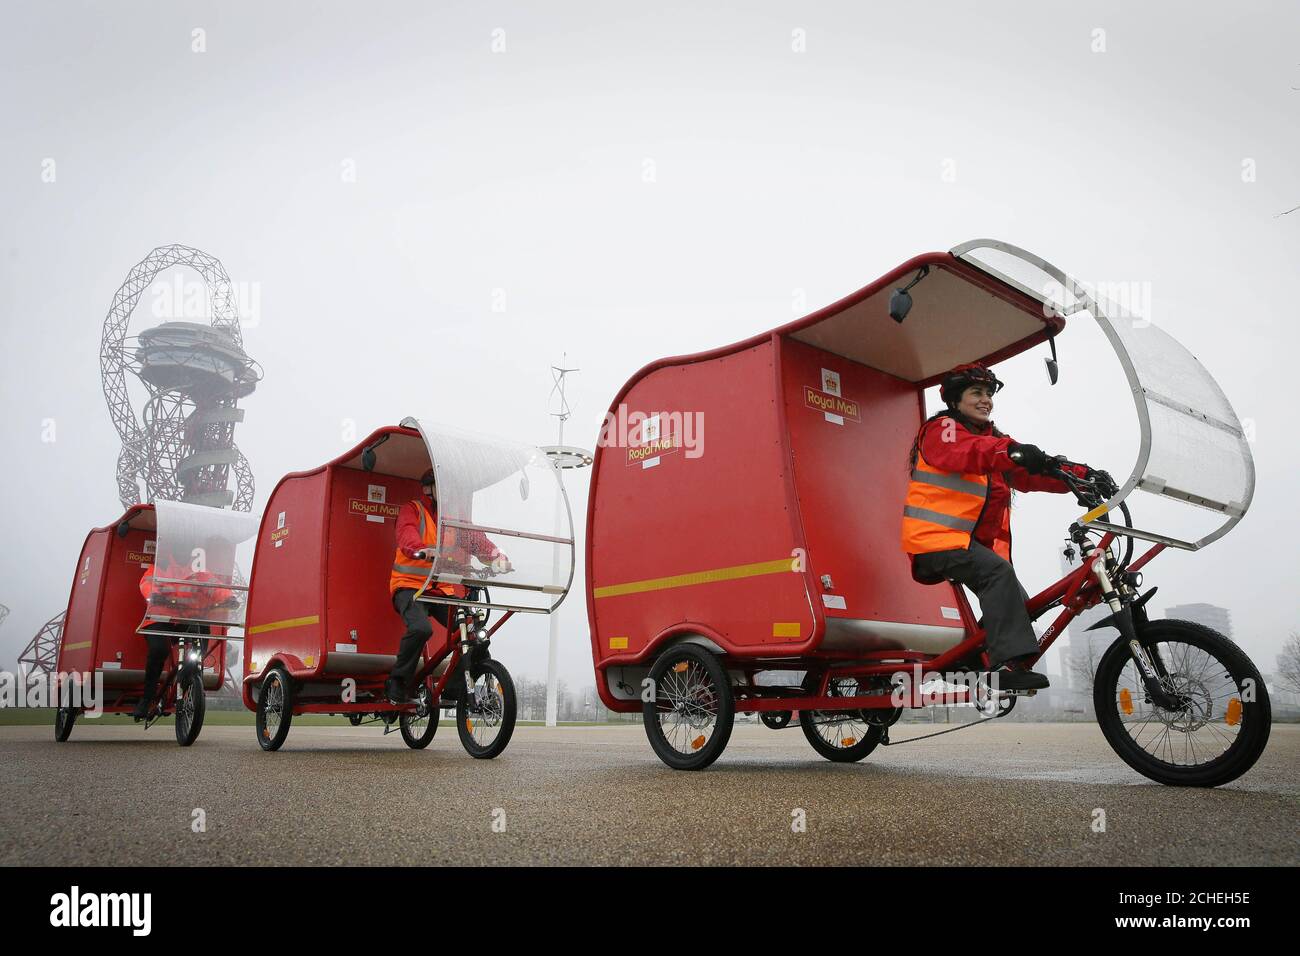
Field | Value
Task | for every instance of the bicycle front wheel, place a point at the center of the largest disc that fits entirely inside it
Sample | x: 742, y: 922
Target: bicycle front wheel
x: 1221, y: 718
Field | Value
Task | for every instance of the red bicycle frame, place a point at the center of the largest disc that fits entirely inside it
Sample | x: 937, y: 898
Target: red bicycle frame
x: 1075, y: 592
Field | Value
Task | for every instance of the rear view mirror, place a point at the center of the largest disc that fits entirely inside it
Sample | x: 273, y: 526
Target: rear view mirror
x: 1053, y: 370
x: 900, y: 303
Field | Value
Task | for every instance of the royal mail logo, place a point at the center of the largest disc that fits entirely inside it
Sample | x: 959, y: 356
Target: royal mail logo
x: 660, y: 446
x: 376, y: 493
x: 654, y: 440
x: 834, y: 404
x: 379, y: 509
x: 831, y: 382
x: 139, y: 557
x: 279, y: 534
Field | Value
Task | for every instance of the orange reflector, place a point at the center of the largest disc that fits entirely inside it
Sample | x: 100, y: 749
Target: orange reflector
x: 682, y: 667
x: 698, y: 742
x: 1126, y: 701
x: 468, y: 726
x: 1233, y: 715
x: 848, y: 741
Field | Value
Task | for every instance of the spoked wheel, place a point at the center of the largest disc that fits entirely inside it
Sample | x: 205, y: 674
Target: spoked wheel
x: 485, y: 718
x: 776, y: 719
x: 841, y: 735
x: 1222, y: 719
x: 274, y: 709
x: 190, y: 707
x: 418, y: 728
x: 64, y: 718
x: 690, y: 719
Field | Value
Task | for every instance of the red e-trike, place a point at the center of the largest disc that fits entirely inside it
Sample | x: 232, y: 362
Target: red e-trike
x: 195, y: 598
x: 755, y: 565
x: 323, y: 635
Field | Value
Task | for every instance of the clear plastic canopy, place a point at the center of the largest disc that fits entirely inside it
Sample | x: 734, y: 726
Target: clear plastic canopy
x: 503, y: 520
x: 195, y: 577
x: 1193, y: 448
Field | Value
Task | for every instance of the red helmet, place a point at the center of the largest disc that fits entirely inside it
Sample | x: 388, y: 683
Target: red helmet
x: 963, y: 377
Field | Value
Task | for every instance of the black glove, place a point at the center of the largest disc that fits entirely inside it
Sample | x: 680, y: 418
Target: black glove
x: 1030, y: 457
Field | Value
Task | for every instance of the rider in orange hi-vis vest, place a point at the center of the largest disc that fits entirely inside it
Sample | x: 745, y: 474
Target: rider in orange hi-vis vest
x: 956, y: 517
x: 417, y: 542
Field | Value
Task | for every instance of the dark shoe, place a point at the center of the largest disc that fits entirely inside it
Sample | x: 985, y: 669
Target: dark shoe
x: 394, y: 691
x: 141, y: 710
x: 1016, y: 679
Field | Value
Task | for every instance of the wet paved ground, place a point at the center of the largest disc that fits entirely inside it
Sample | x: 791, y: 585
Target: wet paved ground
x: 997, y: 794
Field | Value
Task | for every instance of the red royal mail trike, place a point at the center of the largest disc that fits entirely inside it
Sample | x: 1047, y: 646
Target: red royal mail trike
x: 755, y: 565
x: 322, y: 632
x: 196, y: 597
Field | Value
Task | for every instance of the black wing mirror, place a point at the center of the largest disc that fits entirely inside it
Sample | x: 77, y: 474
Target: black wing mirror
x: 900, y: 302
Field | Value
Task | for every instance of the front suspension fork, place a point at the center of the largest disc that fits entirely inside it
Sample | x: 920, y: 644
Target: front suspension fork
x: 1122, y: 615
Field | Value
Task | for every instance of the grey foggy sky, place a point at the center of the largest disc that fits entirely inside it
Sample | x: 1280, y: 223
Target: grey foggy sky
x: 522, y: 170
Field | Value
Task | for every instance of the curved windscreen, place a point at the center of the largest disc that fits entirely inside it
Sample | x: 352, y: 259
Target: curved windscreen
x: 503, y: 521
x: 195, y: 579
x: 1197, y: 452
x: 1193, y: 447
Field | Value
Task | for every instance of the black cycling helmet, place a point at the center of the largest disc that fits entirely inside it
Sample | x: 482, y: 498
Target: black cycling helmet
x: 963, y: 377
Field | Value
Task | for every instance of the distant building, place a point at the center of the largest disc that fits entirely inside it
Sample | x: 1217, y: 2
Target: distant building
x: 1211, y: 615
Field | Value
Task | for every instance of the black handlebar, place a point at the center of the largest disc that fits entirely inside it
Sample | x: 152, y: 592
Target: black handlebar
x: 466, y: 570
x: 1093, y: 491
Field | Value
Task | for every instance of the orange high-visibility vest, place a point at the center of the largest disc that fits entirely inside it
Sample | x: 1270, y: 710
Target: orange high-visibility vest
x: 943, y: 508
x: 412, y: 572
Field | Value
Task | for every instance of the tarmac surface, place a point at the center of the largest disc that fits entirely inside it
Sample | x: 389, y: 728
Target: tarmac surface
x: 993, y: 795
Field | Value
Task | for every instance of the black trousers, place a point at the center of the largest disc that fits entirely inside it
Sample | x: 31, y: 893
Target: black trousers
x: 160, y: 646
x: 418, y: 617
x: 1008, y: 633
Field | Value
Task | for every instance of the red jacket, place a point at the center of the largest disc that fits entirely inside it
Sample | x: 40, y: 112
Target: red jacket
x: 970, y: 451
x: 467, y: 542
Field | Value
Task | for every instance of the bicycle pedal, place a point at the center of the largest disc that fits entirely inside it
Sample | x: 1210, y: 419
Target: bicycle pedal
x: 1018, y: 693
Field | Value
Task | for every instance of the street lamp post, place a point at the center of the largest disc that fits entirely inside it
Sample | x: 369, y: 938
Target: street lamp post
x: 565, y: 458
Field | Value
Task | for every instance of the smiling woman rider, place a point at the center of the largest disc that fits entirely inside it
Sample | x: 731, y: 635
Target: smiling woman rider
x: 956, y: 520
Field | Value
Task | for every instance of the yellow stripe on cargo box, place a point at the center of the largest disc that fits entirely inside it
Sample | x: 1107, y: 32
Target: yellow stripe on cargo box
x: 695, y: 577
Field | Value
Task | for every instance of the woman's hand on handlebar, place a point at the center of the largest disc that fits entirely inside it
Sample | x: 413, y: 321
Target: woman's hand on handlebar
x: 1089, y: 491
x: 1030, y: 457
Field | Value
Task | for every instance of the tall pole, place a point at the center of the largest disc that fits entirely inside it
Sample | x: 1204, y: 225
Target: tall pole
x: 552, y: 688
x: 552, y: 678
